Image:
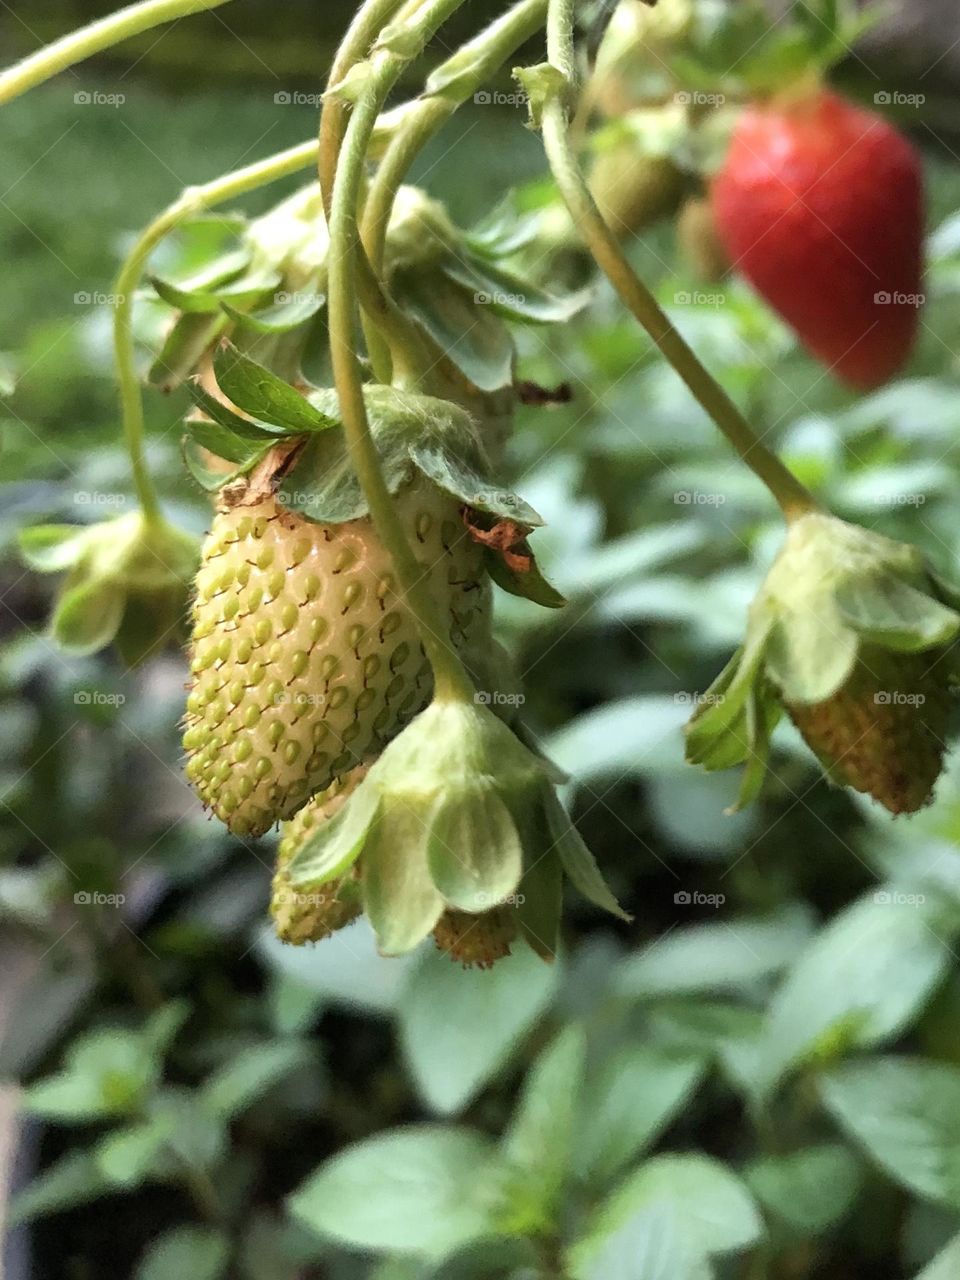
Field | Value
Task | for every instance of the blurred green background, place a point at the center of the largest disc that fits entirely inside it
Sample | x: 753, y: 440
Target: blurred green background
x: 186, y: 1074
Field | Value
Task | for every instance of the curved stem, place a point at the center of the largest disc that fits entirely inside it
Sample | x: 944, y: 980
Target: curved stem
x: 190, y: 202
x: 450, y: 679
x: 455, y: 80
x: 56, y: 57
x: 794, y: 499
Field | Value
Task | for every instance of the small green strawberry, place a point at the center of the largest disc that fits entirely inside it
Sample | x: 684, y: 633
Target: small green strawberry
x: 310, y: 913
x: 304, y: 660
x: 854, y: 636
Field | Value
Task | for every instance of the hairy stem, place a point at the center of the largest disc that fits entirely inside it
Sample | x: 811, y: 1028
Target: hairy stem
x: 794, y: 499
x: 192, y: 201
x: 450, y: 679
x: 455, y: 80
x: 94, y: 38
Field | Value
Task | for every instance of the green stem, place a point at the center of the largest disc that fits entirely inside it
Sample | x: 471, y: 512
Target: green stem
x: 457, y: 79
x: 56, y: 57
x: 192, y: 201
x: 794, y: 499
x: 450, y: 680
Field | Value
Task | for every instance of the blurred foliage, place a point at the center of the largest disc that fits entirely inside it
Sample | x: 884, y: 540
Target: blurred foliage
x: 759, y: 1077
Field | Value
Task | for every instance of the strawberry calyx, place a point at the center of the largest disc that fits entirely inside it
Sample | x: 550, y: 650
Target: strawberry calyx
x: 456, y: 815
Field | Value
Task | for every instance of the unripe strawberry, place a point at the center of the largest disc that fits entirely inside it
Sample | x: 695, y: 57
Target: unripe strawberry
x: 304, y: 660
x: 633, y: 190
x: 476, y: 941
x: 698, y: 241
x: 883, y: 733
x: 310, y: 913
x: 821, y: 206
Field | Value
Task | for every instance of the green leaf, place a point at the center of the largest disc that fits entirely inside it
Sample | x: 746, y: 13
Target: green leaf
x: 424, y: 1190
x: 628, y: 1103
x: 52, y: 548
x: 263, y: 395
x: 578, y: 862
x: 863, y: 979
x: 905, y: 1112
x: 130, y: 1156
x: 257, y: 1070
x: 715, y: 957
x: 457, y: 1028
x: 69, y: 1098
x: 809, y: 1191
x: 200, y: 1253
x: 460, y: 476
x: 473, y: 849
x: 87, y: 617
x: 74, y: 1179
x: 538, y: 1143
x: 711, y: 1208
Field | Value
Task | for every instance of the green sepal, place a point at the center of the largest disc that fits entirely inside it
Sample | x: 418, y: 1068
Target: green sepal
x: 412, y: 433
x: 717, y: 736
x: 210, y: 479
x: 530, y: 585
x: 249, y: 289
x: 473, y: 337
x: 52, y: 548
x: 885, y: 610
x: 334, y: 846
x: 762, y: 711
x: 87, y: 616
x: 540, y: 901
x: 502, y: 231
x: 183, y: 348
x: 222, y: 414
x: 473, y: 848
x: 542, y: 83
x: 282, y: 317
x: 811, y: 655
x: 578, y: 862
x: 511, y: 296
x: 222, y: 442
x: 221, y: 270
x: 399, y: 896
x: 263, y: 395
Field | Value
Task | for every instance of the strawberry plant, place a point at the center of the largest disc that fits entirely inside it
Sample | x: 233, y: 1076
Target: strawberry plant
x: 408, y: 946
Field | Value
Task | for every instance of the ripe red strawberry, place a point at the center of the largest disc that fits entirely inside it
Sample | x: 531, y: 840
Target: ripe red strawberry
x: 820, y: 204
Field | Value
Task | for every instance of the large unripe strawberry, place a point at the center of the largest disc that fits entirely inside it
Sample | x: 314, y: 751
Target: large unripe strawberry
x: 304, y: 660
x: 820, y: 204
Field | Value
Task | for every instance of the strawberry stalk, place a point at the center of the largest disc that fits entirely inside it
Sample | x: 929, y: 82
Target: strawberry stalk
x: 191, y: 202
x: 450, y: 679
x: 448, y: 87
x: 554, y: 86
x: 92, y: 39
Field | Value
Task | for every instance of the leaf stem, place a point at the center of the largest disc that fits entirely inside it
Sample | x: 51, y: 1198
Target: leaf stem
x: 794, y: 499
x: 448, y: 88
x: 192, y: 201
x: 93, y: 38
x: 450, y: 679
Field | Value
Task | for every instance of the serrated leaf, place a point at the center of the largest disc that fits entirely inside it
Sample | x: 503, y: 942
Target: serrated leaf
x: 263, y: 395
x: 455, y: 474
x: 184, y: 347
x: 474, y: 338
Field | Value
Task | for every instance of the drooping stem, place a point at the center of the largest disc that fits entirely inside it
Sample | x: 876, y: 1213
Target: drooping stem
x: 450, y: 680
x: 449, y: 86
x: 794, y: 499
x: 94, y: 38
x: 192, y: 201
